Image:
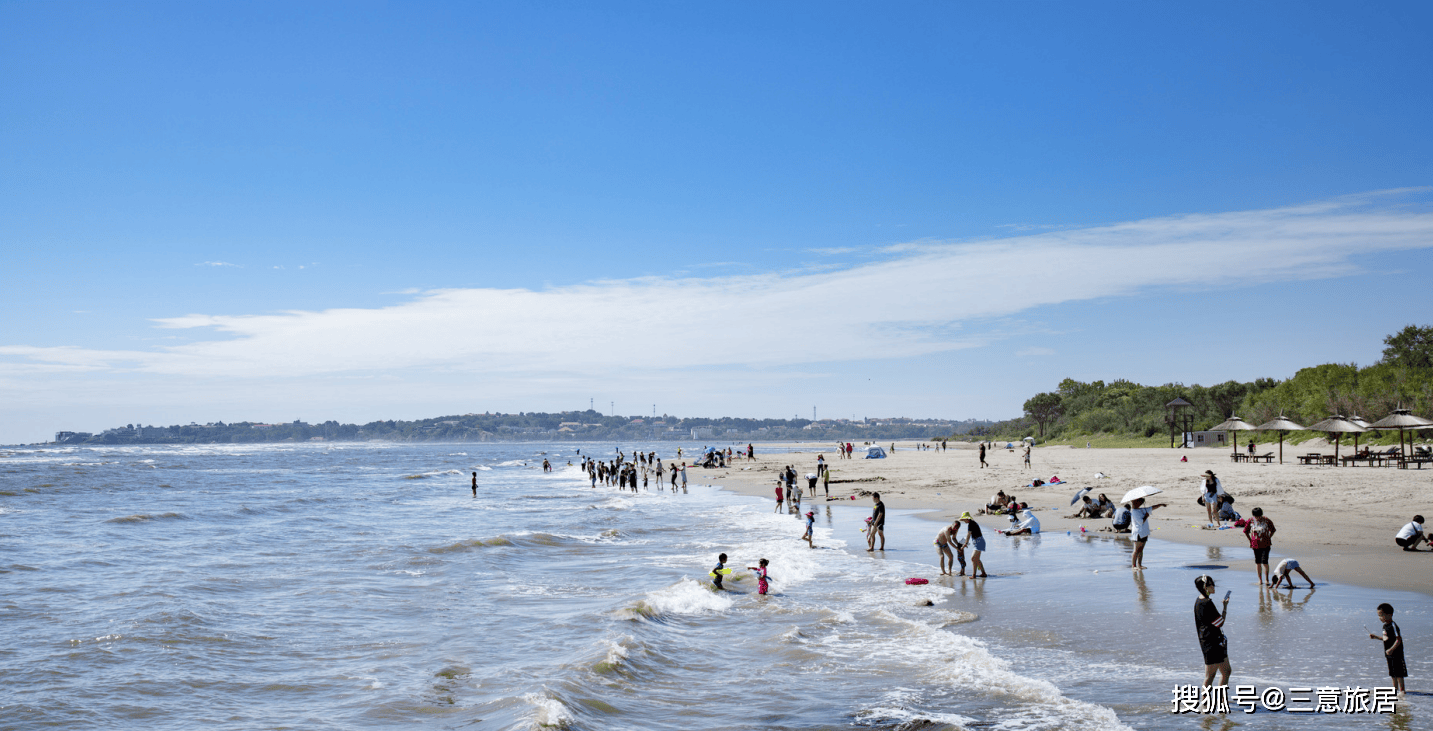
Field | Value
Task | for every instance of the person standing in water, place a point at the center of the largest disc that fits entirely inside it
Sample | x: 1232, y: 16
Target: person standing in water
x: 761, y: 577
x: 976, y: 539
x: 1209, y: 623
x: 1140, y: 515
x: 718, y: 571
x: 877, y: 524
x: 810, y: 528
x: 475, y: 484
x: 943, y: 539
x: 1392, y: 646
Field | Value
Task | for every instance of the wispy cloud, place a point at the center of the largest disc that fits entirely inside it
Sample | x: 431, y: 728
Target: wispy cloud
x: 838, y: 250
x: 1034, y: 351
x: 218, y: 264
x: 922, y: 299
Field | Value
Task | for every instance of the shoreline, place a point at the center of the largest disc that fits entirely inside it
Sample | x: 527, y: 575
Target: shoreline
x: 1347, y: 540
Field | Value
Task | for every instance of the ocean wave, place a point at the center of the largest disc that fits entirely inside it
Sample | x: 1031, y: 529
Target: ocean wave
x: 617, y: 653
x: 472, y: 544
x: 966, y: 663
x: 686, y: 597
x: 548, y: 712
x: 146, y: 517
x: 436, y: 473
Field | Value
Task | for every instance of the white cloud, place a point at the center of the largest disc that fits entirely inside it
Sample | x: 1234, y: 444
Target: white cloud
x: 1033, y: 352
x: 217, y: 264
x: 922, y: 299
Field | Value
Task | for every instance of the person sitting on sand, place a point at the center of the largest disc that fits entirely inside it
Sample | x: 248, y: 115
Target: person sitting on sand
x: 1410, y: 535
x: 1106, y: 506
x: 1089, y: 510
x: 997, y: 504
x: 1226, y: 509
x: 1026, y: 525
x: 1121, y: 521
x: 1281, y: 572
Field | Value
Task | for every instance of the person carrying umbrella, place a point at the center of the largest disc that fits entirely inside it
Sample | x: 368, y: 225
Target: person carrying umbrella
x: 1139, y: 515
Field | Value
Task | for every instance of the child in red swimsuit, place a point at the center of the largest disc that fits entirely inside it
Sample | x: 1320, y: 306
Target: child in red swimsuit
x: 761, y: 577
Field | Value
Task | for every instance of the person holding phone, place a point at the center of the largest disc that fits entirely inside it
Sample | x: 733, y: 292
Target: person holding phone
x: 1209, y: 622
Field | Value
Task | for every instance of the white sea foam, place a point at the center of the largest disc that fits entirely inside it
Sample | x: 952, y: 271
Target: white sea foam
x: 685, y: 597
x: 548, y: 712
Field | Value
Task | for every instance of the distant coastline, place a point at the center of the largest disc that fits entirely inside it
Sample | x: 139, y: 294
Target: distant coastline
x: 569, y: 426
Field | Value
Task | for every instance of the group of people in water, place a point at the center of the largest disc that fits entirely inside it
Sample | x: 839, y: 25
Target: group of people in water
x: 623, y: 473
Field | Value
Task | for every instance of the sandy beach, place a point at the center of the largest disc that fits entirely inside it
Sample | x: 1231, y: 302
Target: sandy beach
x: 1339, y: 522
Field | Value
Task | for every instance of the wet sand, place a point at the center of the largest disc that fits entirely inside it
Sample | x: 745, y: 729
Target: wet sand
x: 1339, y: 522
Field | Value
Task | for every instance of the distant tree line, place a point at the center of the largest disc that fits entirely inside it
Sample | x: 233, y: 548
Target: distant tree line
x: 589, y: 425
x: 1402, y: 377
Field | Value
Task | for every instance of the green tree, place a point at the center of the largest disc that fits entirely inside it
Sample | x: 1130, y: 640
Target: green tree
x: 1411, y: 347
x: 1044, y: 408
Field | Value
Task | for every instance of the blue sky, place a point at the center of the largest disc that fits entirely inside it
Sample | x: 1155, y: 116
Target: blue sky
x: 383, y: 210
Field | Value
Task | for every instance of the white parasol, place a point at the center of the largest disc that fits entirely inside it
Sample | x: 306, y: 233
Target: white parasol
x: 1139, y: 492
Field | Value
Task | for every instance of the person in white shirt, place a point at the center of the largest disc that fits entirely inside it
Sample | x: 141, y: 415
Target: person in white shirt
x: 1028, y: 525
x: 1139, y: 514
x: 1411, y: 535
x: 1284, y: 571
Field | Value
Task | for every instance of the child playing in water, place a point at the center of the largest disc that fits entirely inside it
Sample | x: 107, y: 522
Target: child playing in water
x: 810, y: 526
x: 1392, y: 646
x: 761, y: 577
x: 719, y: 570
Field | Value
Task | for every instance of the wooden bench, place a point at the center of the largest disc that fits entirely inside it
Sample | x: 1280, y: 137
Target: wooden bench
x: 1265, y: 458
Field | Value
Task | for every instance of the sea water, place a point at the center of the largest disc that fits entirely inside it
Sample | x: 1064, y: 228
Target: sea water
x: 363, y: 586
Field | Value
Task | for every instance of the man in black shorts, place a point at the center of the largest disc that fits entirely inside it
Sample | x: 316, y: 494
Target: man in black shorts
x: 878, y: 524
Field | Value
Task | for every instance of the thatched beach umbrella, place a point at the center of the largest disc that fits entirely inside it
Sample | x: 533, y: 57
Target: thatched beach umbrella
x: 1236, y: 425
x: 1359, y: 421
x: 1280, y: 425
x: 1401, y: 419
x: 1337, y: 426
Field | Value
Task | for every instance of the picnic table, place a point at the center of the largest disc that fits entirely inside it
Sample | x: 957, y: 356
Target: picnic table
x: 1316, y: 458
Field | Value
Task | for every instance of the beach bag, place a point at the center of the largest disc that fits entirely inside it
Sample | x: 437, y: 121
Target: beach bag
x: 1200, y: 500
